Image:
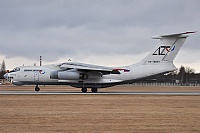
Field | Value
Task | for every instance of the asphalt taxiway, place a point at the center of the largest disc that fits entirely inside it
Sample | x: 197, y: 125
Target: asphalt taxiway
x: 98, y: 93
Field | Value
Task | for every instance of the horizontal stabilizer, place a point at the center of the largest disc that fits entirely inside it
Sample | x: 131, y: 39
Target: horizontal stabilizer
x: 183, y: 34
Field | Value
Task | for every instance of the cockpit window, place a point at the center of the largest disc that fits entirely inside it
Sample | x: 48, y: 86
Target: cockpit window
x: 15, y: 69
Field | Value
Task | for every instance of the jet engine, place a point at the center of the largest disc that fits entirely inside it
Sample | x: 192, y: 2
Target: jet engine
x: 68, y: 75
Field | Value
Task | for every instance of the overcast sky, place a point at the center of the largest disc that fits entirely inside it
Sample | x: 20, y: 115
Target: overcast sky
x: 102, y: 32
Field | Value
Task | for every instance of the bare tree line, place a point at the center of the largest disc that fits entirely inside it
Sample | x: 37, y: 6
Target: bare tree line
x: 183, y: 76
x: 3, y: 69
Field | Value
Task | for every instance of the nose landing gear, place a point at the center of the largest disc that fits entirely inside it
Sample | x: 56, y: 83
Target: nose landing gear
x: 37, y: 88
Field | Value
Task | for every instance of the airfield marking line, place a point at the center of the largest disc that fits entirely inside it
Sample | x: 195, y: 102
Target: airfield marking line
x: 98, y: 93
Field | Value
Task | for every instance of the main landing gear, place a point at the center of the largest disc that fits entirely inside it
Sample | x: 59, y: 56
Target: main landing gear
x: 94, y: 90
x: 84, y: 90
x: 37, y: 88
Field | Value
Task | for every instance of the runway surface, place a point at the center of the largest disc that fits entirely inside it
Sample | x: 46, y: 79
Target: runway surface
x: 99, y: 93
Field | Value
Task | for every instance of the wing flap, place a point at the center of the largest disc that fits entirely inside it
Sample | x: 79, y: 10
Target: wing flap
x: 88, y: 67
x: 83, y: 66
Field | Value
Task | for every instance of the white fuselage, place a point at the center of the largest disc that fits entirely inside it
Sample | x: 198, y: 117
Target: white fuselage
x: 41, y: 75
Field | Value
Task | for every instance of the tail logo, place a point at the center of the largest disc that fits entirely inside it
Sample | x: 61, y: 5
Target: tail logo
x: 163, y: 50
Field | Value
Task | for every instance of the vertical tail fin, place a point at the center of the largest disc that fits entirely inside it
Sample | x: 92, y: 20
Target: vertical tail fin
x: 167, y: 48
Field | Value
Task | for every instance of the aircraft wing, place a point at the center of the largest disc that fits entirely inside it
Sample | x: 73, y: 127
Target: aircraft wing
x: 88, y: 67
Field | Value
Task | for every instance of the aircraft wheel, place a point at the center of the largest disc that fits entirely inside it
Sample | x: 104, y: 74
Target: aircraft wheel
x: 84, y: 89
x: 37, y: 88
x: 94, y: 89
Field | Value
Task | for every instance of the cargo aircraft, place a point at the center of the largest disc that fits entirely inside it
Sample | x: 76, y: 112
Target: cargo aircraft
x: 81, y: 75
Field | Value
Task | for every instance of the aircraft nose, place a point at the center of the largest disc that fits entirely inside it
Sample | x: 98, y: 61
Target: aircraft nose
x: 5, y: 75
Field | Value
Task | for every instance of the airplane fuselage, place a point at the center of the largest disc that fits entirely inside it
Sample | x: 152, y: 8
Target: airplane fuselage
x: 41, y: 75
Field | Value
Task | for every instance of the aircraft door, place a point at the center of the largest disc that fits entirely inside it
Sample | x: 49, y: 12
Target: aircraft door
x: 36, y: 76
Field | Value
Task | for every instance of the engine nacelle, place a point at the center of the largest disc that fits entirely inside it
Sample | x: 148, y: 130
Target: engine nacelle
x: 66, y: 75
